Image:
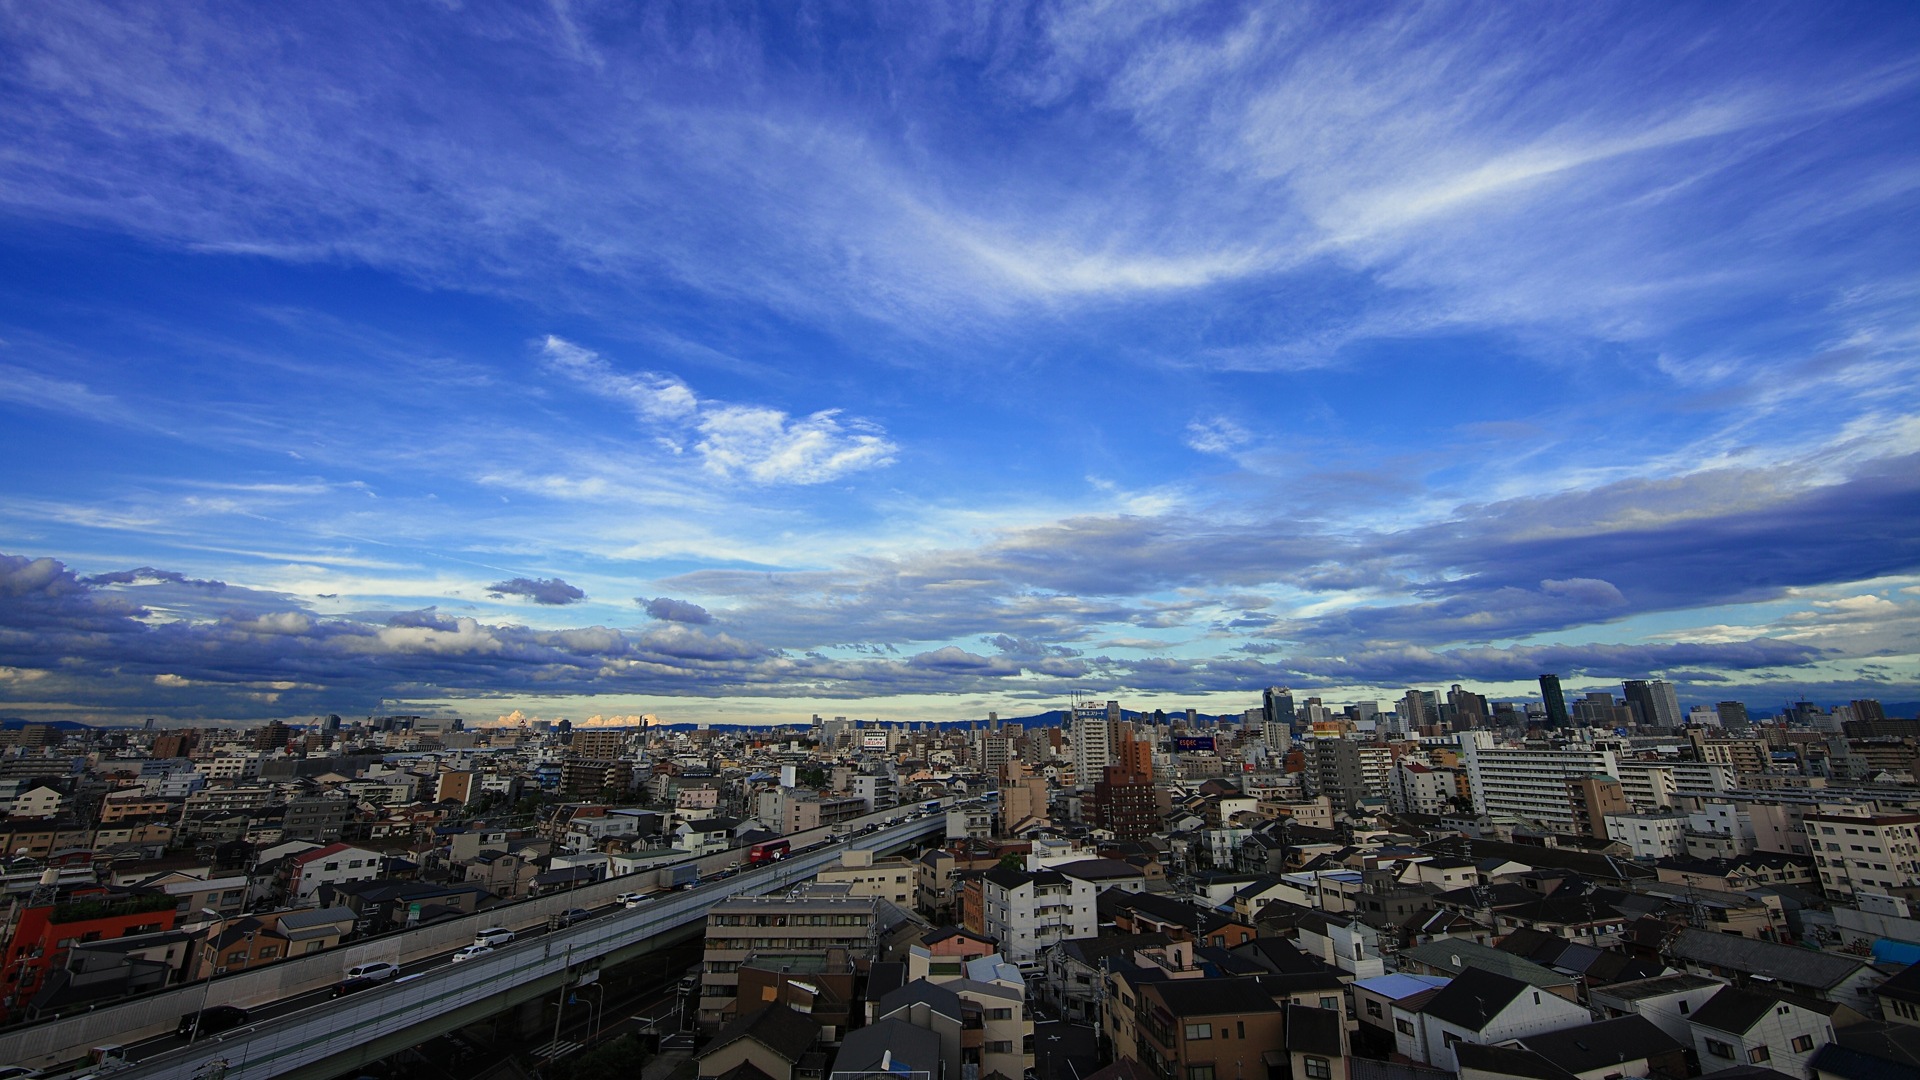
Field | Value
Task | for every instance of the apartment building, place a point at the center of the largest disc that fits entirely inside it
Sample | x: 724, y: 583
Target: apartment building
x: 892, y: 879
x: 766, y: 928
x: 1879, y: 854
x: 1028, y: 911
x: 1206, y: 1029
x: 1531, y: 783
x: 1649, y: 836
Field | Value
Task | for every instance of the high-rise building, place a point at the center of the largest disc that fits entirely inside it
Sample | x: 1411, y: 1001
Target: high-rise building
x: 1420, y: 708
x: 1869, y: 710
x: 1659, y: 705
x: 1333, y: 769
x: 1277, y: 702
x: 1469, y: 708
x: 1732, y: 713
x: 1092, y: 744
x: 1555, y: 702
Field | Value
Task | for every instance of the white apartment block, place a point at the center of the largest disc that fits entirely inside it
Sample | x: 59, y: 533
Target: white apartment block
x: 1879, y: 854
x: 1028, y: 911
x: 1420, y: 789
x: 1650, y: 785
x: 1376, y: 771
x: 1091, y: 753
x: 1650, y: 836
x: 1530, y: 783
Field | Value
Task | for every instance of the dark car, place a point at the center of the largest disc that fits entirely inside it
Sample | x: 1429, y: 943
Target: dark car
x: 355, y: 985
x: 211, y: 1019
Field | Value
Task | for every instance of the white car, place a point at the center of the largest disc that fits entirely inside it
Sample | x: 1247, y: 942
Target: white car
x: 471, y: 952
x: 377, y: 970
x: 631, y: 899
x: 493, y: 935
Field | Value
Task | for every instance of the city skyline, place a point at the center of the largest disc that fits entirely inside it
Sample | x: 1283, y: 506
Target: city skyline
x: 915, y: 364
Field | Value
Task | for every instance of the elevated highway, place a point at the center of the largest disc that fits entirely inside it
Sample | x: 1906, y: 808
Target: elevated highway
x: 331, y: 1036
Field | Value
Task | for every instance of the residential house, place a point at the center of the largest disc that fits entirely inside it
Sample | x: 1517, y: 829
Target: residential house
x: 1624, y: 1046
x: 1755, y: 1027
x: 1666, y: 1001
x: 1316, y: 1043
x: 1481, y: 1006
x: 772, y: 1040
x: 335, y: 864
x: 1765, y: 964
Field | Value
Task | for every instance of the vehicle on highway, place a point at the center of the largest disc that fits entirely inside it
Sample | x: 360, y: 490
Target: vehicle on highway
x: 18, y: 1072
x: 354, y: 986
x: 471, y: 952
x: 631, y: 899
x: 211, y: 1019
x: 377, y: 970
x: 574, y: 915
x: 768, y: 851
x: 493, y: 935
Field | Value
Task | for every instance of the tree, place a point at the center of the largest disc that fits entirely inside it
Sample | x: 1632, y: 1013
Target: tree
x: 1010, y: 861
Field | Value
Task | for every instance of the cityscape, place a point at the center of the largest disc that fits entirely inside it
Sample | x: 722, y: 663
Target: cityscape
x: 1049, y: 540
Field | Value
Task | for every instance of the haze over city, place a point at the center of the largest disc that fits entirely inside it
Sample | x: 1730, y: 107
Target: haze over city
x: 915, y: 362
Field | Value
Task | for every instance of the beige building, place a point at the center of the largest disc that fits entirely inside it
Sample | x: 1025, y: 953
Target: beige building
x: 1879, y: 854
x: 889, y: 879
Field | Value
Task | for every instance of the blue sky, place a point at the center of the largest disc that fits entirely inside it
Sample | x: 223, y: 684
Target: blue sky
x: 915, y: 361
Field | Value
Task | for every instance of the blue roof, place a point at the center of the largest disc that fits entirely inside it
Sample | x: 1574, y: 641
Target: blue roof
x: 1399, y: 986
x: 1889, y: 951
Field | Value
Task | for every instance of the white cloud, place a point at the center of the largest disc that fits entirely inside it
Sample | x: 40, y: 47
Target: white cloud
x: 1218, y: 435
x: 757, y: 443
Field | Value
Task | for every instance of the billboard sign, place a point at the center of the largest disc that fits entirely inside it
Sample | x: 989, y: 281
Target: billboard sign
x: 1187, y: 744
x: 873, y: 740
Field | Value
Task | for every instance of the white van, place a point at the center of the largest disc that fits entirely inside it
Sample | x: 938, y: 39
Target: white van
x: 378, y: 970
x: 494, y: 936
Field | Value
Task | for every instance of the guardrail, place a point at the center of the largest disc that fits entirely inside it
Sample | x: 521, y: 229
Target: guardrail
x: 334, y: 1028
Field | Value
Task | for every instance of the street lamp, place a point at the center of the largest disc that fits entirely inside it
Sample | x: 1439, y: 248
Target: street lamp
x: 596, y: 1011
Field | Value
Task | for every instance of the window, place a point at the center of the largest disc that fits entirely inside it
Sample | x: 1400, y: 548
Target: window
x: 1449, y: 1040
x: 1373, y: 1008
x: 1199, y: 1031
x: 1332, y: 1003
x: 1000, y: 1048
x: 1719, y: 1049
x: 1758, y: 1054
x: 1240, y: 1028
x: 1318, y: 1069
x: 999, y: 1014
x: 1684, y: 1007
x: 1404, y: 1027
x: 1802, y: 1043
x: 1199, y: 1072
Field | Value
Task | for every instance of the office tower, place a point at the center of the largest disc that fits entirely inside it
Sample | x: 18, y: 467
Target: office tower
x: 1469, y: 708
x: 1658, y: 704
x: 1420, y: 708
x: 1277, y: 701
x: 1555, y: 702
x: 1732, y: 713
x: 1869, y: 710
